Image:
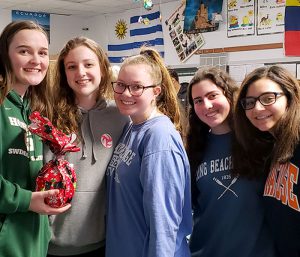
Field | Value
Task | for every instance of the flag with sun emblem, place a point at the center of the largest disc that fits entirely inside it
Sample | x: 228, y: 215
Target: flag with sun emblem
x: 128, y: 31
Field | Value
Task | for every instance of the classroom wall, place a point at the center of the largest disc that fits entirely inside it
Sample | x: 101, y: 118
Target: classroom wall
x: 219, y: 39
x: 62, y: 28
x: 216, y: 39
x: 66, y: 27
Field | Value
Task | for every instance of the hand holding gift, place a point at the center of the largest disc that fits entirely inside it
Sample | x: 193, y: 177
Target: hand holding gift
x: 57, y: 173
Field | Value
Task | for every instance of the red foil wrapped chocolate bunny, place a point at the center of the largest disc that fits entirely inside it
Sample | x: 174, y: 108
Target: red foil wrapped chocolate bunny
x: 57, y: 173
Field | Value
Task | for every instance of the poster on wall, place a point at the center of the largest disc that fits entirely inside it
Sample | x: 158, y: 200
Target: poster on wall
x: 270, y: 16
x: 240, y: 17
x: 200, y: 15
x: 185, y: 44
x: 43, y: 19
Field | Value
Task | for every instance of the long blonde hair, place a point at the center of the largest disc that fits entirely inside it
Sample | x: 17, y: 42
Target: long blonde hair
x: 167, y: 101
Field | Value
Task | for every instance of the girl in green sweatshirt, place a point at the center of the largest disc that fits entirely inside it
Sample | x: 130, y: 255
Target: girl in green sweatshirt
x: 24, y: 61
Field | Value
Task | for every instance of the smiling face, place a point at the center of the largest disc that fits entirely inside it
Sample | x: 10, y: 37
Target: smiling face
x: 138, y: 108
x: 262, y: 117
x: 211, y: 106
x: 83, y: 75
x: 28, y: 54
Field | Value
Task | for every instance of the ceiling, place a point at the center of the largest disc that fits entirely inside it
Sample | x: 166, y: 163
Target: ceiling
x: 75, y: 7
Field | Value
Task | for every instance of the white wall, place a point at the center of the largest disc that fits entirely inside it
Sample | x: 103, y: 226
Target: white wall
x: 5, y: 18
x: 219, y: 39
x: 65, y: 27
x: 98, y: 30
x: 62, y: 28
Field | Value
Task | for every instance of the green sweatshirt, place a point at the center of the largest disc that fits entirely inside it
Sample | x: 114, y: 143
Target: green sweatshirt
x: 22, y: 233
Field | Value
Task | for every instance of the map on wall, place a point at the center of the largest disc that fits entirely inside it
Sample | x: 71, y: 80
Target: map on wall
x: 270, y: 16
x: 185, y: 44
x: 240, y: 17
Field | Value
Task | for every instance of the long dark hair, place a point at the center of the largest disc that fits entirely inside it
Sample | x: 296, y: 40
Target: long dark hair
x: 198, y: 130
x: 257, y: 147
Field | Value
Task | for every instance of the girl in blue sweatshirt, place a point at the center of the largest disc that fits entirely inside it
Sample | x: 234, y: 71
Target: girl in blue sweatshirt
x: 148, y: 178
x: 24, y: 62
x: 228, y: 209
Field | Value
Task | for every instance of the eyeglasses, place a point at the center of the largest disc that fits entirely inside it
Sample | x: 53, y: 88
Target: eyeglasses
x: 265, y: 99
x: 134, y: 90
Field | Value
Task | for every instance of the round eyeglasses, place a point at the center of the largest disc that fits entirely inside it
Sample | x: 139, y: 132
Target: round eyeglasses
x: 134, y: 90
x: 265, y: 99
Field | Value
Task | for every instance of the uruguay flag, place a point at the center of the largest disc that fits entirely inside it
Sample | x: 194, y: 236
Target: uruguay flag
x: 292, y: 28
x: 127, y: 34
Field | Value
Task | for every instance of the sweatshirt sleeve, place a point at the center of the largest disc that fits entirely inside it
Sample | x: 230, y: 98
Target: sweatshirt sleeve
x: 13, y: 198
x: 163, y: 182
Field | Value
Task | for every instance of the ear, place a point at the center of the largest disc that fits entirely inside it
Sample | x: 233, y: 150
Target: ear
x: 157, y: 90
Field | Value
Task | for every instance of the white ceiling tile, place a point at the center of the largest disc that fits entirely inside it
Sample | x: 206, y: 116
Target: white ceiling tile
x: 86, y: 8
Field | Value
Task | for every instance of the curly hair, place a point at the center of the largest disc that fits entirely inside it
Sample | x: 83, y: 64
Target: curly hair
x: 67, y: 115
x: 198, y: 130
x: 39, y: 95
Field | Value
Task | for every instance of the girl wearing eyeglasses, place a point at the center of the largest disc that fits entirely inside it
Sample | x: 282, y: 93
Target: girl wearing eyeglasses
x: 228, y: 212
x: 148, y: 177
x: 267, y: 119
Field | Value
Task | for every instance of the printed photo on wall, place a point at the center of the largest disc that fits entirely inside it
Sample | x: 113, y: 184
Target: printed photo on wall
x: 43, y: 19
x: 200, y: 16
x: 185, y: 44
x: 240, y: 17
x: 270, y: 16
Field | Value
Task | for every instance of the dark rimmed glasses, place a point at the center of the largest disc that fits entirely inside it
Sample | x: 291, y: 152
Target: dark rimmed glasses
x: 134, y: 89
x: 267, y: 98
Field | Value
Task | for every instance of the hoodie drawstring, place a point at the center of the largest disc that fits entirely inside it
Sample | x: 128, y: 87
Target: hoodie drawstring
x: 93, y: 142
x: 87, y: 133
